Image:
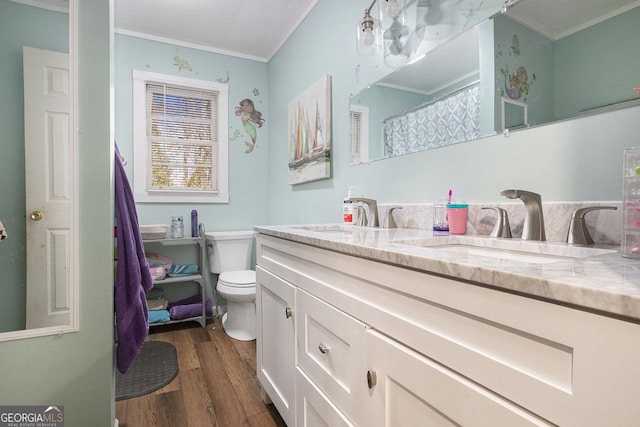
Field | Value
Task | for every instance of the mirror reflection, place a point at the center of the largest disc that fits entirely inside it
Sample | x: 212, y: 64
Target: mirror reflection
x: 36, y: 190
x: 537, y: 63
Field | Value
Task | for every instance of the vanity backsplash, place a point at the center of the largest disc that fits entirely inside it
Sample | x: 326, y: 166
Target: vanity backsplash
x: 605, y: 226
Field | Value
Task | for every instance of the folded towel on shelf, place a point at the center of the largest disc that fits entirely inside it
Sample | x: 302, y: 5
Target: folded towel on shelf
x: 179, y: 312
x: 157, y: 304
x: 183, y: 270
x: 157, y: 316
x: 189, y: 300
x: 3, y: 232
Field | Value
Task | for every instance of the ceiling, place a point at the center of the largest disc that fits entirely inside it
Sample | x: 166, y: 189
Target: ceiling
x: 253, y: 29
x: 559, y: 18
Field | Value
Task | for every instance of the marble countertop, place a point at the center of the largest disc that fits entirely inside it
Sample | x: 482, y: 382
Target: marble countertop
x: 592, y: 278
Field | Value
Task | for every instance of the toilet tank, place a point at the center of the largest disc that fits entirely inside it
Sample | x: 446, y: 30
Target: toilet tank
x: 229, y: 250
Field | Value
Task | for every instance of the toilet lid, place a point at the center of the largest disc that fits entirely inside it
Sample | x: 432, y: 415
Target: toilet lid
x: 238, y: 278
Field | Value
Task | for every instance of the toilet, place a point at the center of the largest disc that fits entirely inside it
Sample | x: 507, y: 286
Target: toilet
x: 230, y: 256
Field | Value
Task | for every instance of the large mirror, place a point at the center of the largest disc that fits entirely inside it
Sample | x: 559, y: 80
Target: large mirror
x: 533, y: 63
x: 38, y: 186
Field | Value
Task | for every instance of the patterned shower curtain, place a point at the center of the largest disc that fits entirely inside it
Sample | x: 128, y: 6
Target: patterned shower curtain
x: 446, y: 121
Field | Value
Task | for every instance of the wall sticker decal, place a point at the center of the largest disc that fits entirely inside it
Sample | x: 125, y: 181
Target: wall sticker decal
x: 251, y: 121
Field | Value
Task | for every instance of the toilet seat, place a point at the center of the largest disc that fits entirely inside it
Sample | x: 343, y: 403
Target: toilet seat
x: 238, y: 279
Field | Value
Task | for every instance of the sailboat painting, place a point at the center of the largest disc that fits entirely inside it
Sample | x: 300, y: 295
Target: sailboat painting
x: 309, y: 123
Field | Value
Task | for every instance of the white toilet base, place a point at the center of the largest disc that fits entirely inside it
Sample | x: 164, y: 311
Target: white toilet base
x: 239, y: 322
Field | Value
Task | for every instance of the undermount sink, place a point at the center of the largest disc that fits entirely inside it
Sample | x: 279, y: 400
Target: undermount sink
x: 512, y: 250
x: 334, y: 228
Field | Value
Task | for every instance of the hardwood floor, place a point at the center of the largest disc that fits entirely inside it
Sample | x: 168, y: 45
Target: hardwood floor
x: 216, y: 385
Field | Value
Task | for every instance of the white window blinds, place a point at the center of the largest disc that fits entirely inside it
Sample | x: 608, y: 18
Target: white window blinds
x: 181, y: 129
x: 356, y: 137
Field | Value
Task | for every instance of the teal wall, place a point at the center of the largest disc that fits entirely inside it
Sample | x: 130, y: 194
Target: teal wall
x: 587, y: 57
x: 19, y: 26
x: 76, y: 369
x: 248, y: 187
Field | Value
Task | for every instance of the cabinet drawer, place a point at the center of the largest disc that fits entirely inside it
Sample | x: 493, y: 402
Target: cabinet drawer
x: 313, y: 409
x: 331, y: 352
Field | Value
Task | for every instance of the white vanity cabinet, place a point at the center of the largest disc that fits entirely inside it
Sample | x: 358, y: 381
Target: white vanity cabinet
x: 431, y: 350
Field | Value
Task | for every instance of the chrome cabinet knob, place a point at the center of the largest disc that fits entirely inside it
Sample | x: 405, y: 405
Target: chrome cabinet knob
x: 36, y: 215
x: 372, y: 379
x: 288, y: 312
x: 323, y: 349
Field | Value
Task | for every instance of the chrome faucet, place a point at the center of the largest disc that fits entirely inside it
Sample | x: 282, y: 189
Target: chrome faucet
x: 533, y: 228
x: 390, y: 221
x: 578, y: 233
x: 501, y: 227
x: 372, y: 207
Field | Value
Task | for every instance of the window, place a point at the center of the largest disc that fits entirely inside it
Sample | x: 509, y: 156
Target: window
x: 180, y: 129
x: 359, y: 134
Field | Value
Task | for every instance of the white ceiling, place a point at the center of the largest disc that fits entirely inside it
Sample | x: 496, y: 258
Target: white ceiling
x: 253, y: 29
x: 256, y: 29
x: 559, y: 18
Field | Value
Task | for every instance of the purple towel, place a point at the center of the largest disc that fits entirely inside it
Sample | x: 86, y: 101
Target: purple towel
x: 190, y: 300
x: 185, y: 311
x: 133, y: 278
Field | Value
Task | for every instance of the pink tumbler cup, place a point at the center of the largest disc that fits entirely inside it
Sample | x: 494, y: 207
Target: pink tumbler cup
x: 457, y: 215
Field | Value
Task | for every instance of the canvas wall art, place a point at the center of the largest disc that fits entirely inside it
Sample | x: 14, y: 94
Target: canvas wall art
x: 309, y: 124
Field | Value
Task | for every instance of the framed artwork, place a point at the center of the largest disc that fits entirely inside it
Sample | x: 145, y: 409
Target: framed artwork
x: 309, y: 128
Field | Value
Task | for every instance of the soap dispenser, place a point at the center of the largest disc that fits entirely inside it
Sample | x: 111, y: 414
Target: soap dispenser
x: 348, y: 215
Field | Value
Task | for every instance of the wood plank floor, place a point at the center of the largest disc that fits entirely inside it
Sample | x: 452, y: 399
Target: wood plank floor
x: 216, y: 385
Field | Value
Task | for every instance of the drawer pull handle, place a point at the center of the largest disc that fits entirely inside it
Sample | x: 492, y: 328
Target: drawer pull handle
x: 288, y: 312
x: 372, y: 379
x: 323, y: 349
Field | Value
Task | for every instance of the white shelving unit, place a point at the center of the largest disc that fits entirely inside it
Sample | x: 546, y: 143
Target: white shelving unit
x: 198, y: 278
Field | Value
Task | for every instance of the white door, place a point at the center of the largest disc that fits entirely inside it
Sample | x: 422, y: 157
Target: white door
x: 47, y: 145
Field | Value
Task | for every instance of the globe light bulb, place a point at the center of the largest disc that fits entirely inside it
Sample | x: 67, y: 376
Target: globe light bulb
x: 368, y: 37
x: 393, y: 8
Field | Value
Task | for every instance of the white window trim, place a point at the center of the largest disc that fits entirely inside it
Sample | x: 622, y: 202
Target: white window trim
x: 140, y: 79
x: 363, y: 154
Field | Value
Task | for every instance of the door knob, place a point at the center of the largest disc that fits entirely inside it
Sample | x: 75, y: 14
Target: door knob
x: 323, y: 349
x: 288, y: 312
x: 36, y: 215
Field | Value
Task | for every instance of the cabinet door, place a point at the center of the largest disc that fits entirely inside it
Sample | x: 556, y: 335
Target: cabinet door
x: 408, y: 389
x: 276, y: 341
x: 313, y: 408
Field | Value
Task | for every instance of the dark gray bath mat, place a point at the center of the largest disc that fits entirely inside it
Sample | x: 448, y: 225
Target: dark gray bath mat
x: 155, y: 366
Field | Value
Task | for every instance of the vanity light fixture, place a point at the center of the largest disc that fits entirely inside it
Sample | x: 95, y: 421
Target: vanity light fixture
x: 392, y: 16
x: 368, y: 40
